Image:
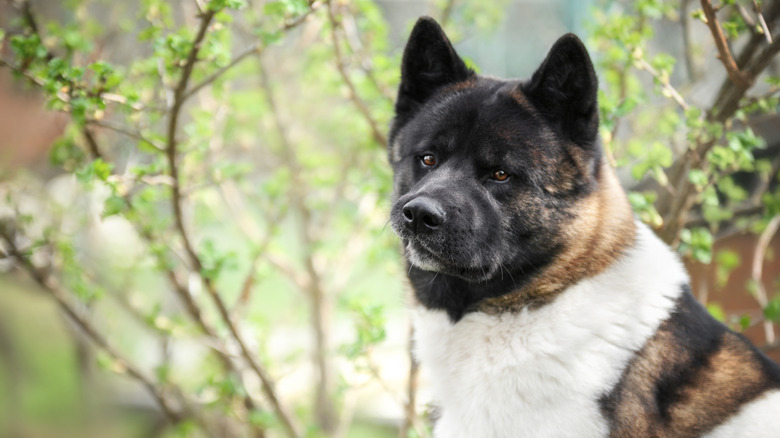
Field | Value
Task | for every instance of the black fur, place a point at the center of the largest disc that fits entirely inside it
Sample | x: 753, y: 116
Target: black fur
x: 565, y: 90
x: 495, y: 236
x: 429, y: 63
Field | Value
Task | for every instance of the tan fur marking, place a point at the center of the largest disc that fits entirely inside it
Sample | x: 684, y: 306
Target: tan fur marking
x: 520, y: 98
x: 603, y: 228
x: 730, y: 377
x: 462, y: 85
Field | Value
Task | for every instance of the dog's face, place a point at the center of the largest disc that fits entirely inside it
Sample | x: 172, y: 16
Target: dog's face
x: 489, y: 173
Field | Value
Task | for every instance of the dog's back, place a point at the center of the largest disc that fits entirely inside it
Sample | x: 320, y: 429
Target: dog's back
x: 543, y: 309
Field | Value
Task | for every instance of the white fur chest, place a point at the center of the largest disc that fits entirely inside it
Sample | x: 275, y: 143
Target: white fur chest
x: 541, y: 373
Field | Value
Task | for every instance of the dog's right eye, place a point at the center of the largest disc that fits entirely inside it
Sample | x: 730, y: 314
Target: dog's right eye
x: 428, y: 160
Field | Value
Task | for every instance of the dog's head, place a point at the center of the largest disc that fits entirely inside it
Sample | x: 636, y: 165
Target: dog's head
x: 489, y: 173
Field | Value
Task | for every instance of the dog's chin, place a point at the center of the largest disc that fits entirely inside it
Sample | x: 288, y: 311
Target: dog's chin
x: 423, y: 259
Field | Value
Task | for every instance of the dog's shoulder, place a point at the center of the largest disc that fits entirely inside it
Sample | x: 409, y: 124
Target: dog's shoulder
x: 690, y: 377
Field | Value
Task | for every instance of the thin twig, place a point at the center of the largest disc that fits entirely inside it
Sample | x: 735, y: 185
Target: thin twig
x: 664, y: 81
x: 196, y: 264
x: 136, y: 135
x: 311, y: 282
x: 193, y: 309
x: 252, y: 49
x: 363, y: 60
x: 685, y: 22
x: 751, y: 23
x: 29, y: 18
x: 51, y: 286
x: 361, y: 105
x: 739, y: 78
x: 757, y: 271
x: 411, y: 419
x: 171, y: 143
x: 675, y: 207
x: 762, y: 21
x: 446, y: 12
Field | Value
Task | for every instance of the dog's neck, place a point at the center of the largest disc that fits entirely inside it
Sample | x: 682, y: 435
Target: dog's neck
x: 596, y: 239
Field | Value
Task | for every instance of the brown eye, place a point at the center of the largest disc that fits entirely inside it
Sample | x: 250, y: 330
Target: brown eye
x: 500, y: 175
x: 429, y: 160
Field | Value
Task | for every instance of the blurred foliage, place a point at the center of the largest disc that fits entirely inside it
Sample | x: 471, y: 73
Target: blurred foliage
x: 700, y: 171
x: 219, y: 208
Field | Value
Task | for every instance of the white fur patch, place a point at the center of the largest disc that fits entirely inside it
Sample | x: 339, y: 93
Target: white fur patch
x: 540, y: 373
x: 757, y: 419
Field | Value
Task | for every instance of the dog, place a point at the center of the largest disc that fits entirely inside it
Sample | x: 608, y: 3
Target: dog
x: 542, y: 308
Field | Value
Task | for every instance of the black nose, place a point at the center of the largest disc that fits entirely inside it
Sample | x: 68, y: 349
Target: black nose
x: 423, y: 214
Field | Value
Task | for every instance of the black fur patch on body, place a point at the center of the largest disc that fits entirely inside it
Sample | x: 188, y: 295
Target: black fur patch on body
x: 691, y: 376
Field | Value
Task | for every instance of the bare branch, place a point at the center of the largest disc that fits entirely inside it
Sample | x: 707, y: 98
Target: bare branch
x: 123, y: 365
x: 196, y: 264
x: 311, y: 282
x: 31, y: 21
x: 668, y: 89
x: 746, y: 17
x: 739, y: 78
x: 675, y: 207
x: 171, y: 143
x: 685, y: 22
x: 411, y: 419
x: 361, y: 105
x: 757, y: 271
x: 252, y: 49
x: 364, y: 62
x: 762, y: 21
x: 176, y: 200
x: 126, y: 131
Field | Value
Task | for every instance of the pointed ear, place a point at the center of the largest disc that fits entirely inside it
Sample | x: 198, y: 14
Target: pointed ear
x: 564, y: 89
x: 429, y: 63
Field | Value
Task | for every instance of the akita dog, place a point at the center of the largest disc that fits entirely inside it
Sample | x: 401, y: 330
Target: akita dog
x: 543, y: 308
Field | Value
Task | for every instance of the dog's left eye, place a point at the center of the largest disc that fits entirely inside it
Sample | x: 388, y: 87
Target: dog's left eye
x: 428, y: 160
x: 500, y: 175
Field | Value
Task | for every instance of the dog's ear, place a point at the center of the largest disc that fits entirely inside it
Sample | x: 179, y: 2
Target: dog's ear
x: 429, y: 63
x: 564, y: 89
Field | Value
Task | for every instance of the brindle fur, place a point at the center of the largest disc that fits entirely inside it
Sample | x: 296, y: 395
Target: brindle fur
x: 687, y: 378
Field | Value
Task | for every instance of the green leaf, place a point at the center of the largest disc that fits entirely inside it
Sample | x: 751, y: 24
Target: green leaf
x: 772, y: 310
x: 218, y: 5
x: 213, y: 262
x: 698, y: 178
x: 726, y: 261
x: 744, y: 322
x: 697, y: 242
x: 642, y: 204
x: 370, y: 328
x: 96, y: 169
x: 717, y: 312
x: 113, y: 205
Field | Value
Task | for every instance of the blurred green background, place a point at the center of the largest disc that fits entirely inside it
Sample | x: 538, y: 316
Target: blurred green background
x: 204, y: 185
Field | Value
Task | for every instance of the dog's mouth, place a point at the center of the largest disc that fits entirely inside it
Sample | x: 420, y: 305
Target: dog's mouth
x: 422, y: 257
